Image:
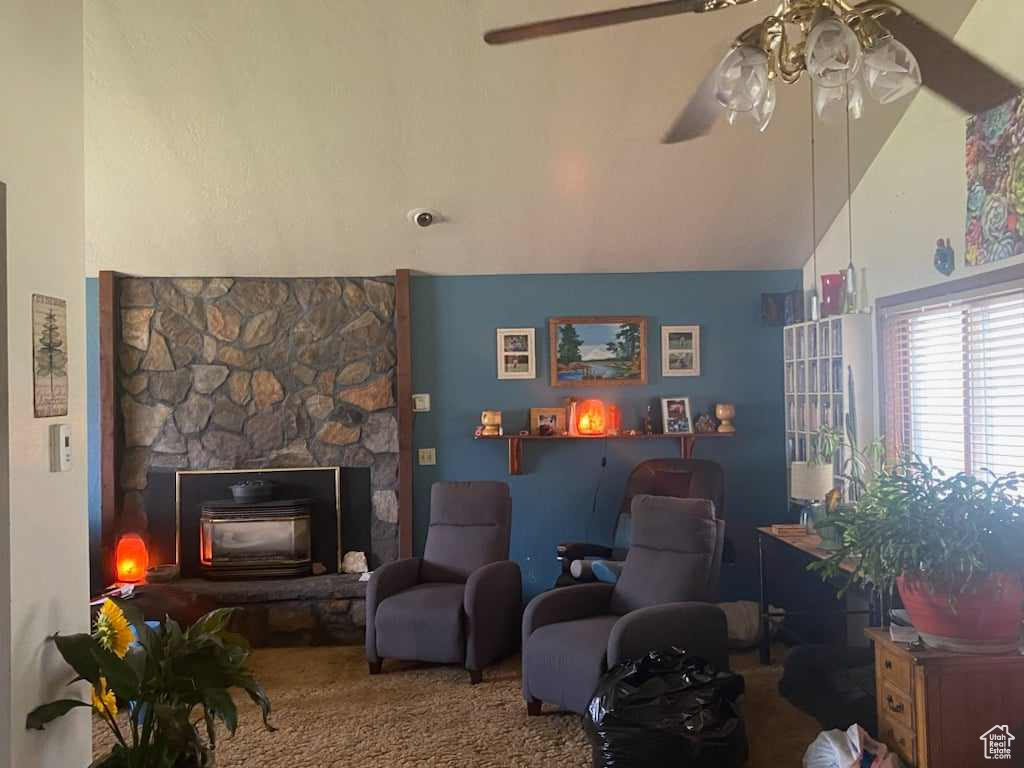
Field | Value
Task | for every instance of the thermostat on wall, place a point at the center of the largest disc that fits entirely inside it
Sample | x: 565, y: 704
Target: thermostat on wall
x: 60, y: 447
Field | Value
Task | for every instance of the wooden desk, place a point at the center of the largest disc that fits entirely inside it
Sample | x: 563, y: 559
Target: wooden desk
x: 808, y: 546
x: 935, y: 706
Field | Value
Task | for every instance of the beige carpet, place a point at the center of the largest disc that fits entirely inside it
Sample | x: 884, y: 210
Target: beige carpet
x: 331, y: 714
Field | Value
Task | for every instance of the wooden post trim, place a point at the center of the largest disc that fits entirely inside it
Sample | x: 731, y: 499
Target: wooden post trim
x: 109, y: 315
x: 403, y: 348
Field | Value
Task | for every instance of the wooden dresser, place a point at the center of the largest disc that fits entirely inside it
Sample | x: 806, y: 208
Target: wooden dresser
x: 934, y: 706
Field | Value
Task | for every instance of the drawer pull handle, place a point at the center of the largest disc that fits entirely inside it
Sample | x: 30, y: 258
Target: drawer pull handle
x: 888, y: 663
x: 893, y: 706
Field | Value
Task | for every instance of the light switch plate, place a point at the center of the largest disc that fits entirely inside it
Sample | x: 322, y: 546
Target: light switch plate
x: 421, y: 403
x: 428, y: 457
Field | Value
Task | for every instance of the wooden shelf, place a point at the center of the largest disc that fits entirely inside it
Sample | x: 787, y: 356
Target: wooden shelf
x: 687, y: 443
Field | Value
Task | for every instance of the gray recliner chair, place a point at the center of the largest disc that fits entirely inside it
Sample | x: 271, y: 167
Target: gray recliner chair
x: 573, y: 635
x: 461, y: 603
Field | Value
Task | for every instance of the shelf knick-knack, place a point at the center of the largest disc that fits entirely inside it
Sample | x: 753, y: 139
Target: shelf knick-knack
x: 725, y: 412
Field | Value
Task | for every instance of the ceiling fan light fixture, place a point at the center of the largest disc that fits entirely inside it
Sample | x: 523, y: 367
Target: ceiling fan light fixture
x: 763, y: 112
x: 833, y: 54
x: 828, y: 102
x: 744, y: 79
x: 891, y: 70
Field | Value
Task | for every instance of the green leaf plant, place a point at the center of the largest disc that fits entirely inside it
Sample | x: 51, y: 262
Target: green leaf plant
x: 948, y: 533
x: 156, y: 693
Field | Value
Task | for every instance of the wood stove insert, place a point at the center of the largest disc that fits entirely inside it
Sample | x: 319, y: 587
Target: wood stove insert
x: 244, y: 539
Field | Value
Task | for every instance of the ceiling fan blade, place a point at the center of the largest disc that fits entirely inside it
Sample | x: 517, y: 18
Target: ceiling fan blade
x: 592, y: 21
x: 699, y: 116
x: 949, y: 70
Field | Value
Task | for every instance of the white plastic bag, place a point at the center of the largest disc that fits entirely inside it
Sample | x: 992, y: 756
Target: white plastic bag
x: 838, y: 749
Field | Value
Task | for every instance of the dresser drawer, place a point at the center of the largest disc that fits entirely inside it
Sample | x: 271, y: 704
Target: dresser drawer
x: 896, y: 705
x: 894, y: 669
x: 898, y: 738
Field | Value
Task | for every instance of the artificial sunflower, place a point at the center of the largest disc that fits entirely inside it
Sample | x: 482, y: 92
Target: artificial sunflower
x: 103, y: 699
x: 112, y: 629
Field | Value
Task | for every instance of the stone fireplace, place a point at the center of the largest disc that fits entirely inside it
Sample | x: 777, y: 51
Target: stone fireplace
x: 235, y: 375
x: 224, y: 373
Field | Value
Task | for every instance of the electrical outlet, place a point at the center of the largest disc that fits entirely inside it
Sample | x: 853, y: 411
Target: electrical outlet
x: 428, y: 457
x: 421, y: 403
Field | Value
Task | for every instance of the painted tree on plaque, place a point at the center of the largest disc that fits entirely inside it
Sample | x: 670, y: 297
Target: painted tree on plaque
x: 51, y: 360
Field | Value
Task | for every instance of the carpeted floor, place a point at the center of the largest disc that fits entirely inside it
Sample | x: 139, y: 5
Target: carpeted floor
x: 331, y: 714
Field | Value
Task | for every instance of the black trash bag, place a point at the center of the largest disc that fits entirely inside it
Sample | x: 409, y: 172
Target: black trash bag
x: 666, y: 710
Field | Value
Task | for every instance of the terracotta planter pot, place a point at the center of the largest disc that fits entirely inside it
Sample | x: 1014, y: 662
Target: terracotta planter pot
x: 984, y: 620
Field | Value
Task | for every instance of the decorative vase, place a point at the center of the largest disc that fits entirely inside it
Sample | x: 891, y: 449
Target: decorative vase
x: 832, y: 289
x: 725, y: 413
x: 614, y: 420
x: 831, y: 535
x: 985, y: 619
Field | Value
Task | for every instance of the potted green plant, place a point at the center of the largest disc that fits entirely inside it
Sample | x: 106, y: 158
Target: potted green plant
x: 855, y: 469
x: 953, y: 546
x: 154, y: 686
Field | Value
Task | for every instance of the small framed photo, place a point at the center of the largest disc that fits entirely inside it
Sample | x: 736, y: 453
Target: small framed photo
x: 548, y: 422
x: 517, y: 357
x: 680, y: 350
x: 675, y: 416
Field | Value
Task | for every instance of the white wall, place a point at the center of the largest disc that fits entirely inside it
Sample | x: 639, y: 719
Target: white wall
x: 916, y: 191
x: 44, y: 586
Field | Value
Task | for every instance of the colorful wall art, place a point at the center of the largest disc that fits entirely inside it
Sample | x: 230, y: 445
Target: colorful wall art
x: 995, y: 184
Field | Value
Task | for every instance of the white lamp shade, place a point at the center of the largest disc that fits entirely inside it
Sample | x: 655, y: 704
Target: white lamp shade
x: 810, y: 482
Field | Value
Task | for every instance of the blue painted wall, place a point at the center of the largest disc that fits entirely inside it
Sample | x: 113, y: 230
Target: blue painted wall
x: 92, y: 391
x: 564, y: 495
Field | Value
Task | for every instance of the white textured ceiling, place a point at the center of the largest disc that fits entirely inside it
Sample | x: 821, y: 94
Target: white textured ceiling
x: 292, y: 136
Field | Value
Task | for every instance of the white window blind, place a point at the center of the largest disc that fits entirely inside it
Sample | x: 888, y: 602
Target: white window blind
x: 954, y: 381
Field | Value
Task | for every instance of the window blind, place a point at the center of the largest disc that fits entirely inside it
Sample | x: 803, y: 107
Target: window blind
x: 954, y: 381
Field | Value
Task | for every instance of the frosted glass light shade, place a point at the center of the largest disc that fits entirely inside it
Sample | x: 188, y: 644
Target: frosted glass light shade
x: 891, y: 71
x: 833, y: 53
x: 828, y: 102
x: 763, y: 112
x: 743, y: 79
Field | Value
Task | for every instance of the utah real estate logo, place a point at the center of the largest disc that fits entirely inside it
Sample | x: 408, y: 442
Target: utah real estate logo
x: 997, y: 742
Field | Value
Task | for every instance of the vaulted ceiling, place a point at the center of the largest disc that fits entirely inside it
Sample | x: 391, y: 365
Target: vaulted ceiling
x: 282, y: 137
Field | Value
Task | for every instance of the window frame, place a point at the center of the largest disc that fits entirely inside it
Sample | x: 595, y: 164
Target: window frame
x: 962, y: 289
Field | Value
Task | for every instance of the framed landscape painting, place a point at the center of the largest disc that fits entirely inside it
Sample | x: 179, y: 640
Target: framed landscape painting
x: 598, y: 351
x: 680, y: 350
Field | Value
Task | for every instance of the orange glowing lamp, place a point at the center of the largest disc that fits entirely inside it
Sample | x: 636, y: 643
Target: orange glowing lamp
x: 590, y: 418
x: 131, y: 558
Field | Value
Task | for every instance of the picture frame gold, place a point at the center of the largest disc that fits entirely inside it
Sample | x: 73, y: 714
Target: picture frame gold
x: 540, y: 416
x: 582, y: 353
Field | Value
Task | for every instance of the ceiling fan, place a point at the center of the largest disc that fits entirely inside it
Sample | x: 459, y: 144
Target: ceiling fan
x: 846, y: 49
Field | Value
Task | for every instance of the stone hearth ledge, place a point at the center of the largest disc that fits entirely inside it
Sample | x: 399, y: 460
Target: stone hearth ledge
x: 314, y: 610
